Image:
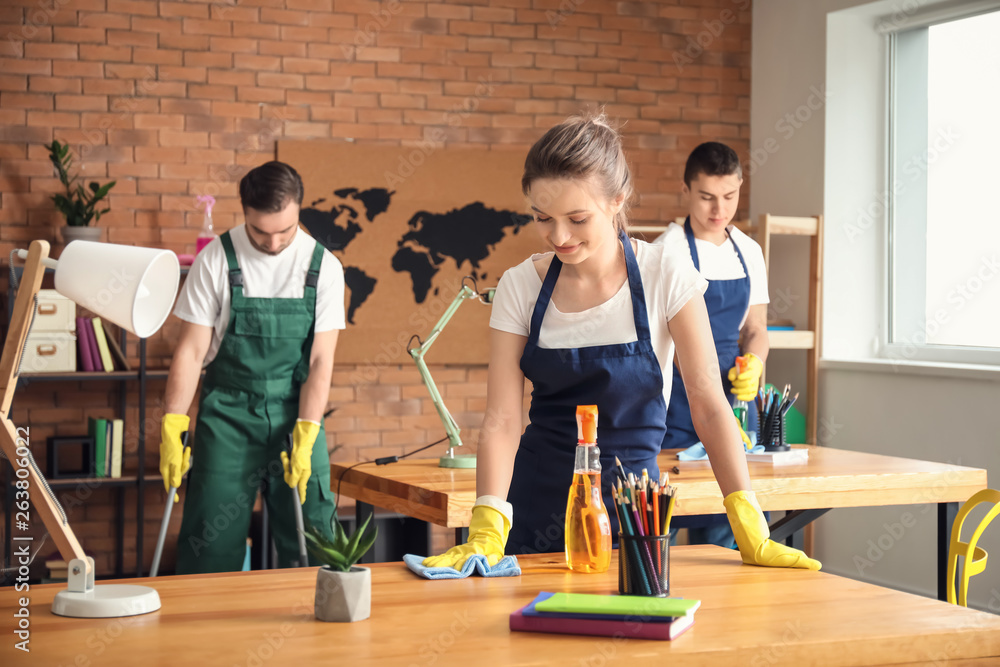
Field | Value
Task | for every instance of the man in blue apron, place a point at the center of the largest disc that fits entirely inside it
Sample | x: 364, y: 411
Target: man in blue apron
x: 736, y: 299
x: 263, y: 304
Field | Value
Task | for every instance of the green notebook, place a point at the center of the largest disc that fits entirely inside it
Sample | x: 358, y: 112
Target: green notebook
x: 625, y: 605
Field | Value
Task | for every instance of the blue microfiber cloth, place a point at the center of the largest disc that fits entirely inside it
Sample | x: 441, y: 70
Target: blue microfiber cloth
x: 507, y: 567
x: 696, y: 452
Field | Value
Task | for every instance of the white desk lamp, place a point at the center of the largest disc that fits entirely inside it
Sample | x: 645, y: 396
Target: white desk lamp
x: 134, y: 288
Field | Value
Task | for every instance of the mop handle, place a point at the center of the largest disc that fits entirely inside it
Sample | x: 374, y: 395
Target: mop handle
x: 299, y: 524
x: 166, y: 515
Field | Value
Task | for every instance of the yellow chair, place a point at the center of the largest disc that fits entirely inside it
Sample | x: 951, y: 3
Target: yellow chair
x: 975, y: 557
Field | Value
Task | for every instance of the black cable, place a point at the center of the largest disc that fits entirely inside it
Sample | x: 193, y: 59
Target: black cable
x: 381, y: 462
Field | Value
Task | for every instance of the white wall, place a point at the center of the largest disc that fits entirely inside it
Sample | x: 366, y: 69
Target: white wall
x: 817, y: 137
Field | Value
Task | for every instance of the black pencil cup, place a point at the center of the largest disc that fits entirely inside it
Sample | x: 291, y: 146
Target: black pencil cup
x: 644, y: 565
x: 771, y: 434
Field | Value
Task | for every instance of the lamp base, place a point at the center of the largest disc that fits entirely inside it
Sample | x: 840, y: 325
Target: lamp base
x: 466, y: 461
x: 108, y: 601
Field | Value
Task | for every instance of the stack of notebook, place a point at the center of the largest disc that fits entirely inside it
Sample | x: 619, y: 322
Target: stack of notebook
x: 606, y: 615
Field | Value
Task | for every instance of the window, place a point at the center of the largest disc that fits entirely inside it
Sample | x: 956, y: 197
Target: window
x: 944, y: 187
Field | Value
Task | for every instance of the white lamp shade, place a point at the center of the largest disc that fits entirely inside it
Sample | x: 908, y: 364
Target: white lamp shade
x: 131, y: 286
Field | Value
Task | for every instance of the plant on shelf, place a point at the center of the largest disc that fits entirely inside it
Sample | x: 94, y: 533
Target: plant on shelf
x: 343, y: 590
x: 79, y: 204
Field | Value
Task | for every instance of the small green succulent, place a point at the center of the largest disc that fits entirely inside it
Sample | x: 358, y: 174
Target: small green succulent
x: 342, y: 552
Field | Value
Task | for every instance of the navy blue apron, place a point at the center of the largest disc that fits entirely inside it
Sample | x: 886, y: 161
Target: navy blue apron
x: 727, y: 302
x: 623, y: 380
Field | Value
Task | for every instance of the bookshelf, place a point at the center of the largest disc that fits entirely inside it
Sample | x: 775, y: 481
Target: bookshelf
x: 119, y: 486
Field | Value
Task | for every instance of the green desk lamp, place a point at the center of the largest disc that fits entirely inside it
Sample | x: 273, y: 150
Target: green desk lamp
x: 449, y: 460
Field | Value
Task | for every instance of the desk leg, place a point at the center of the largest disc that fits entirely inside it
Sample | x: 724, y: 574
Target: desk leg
x: 946, y: 517
x: 461, y: 535
x: 361, y: 512
x: 788, y: 529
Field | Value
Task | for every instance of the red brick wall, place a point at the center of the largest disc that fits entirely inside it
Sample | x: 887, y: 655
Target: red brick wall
x: 177, y: 99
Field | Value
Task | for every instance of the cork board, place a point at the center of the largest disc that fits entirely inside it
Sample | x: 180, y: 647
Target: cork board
x: 408, y: 224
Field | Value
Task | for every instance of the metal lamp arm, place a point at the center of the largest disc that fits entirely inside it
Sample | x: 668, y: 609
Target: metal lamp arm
x: 451, y: 428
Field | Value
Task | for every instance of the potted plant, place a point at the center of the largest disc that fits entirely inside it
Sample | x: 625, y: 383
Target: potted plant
x: 78, y: 204
x: 343, y: 590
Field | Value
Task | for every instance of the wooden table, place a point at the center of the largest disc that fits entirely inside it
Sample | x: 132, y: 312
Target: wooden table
x: 832, y: 478
x: 749, y: 616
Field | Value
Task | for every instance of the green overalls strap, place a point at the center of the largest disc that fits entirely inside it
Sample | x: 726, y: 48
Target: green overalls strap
x: 249, y: 404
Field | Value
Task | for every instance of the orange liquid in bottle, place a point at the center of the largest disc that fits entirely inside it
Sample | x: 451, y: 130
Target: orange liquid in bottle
x: 588, y: 528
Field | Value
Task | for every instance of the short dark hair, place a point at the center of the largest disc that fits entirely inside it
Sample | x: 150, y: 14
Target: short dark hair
x: 712, y: 159
x: 269, y: 187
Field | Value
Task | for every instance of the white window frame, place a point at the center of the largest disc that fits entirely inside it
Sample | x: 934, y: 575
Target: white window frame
x: 914, y: 347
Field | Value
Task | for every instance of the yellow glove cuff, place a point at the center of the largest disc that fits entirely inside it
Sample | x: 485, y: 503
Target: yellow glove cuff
x: 305, y: 433
x: 173, y: 426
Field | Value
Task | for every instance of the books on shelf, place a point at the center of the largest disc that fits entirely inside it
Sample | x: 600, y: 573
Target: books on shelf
x: 613, y: 616
x: 97, y: 349
x: 117, y: 435
x: 58, y: 568
x: 102, y: 345
x: 108, y: 435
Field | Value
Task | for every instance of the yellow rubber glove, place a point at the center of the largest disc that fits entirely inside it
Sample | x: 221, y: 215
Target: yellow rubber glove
x: 747, y: 382
x: 297, y: 471
x: 753, y: 537
x: 488, y: 532
x: 747, y: 445
x: 175, y: 458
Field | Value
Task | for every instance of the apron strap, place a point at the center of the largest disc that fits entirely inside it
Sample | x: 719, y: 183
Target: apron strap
x: 235, y: 274
x: 312, y: 278
x: 639, y: 313
x: 689, y: 234
x: 542, y: 303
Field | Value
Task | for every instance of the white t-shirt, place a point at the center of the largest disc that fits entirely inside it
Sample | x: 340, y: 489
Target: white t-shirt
x: 669, y: 280
x: 204, y: 299
x: 721, y: 262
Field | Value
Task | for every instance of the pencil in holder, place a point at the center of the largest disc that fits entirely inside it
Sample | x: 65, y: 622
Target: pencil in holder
x: 644, y: 565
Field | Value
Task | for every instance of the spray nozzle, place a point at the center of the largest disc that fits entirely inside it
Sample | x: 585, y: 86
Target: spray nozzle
x: 208, y: 201
x: 586, y: 423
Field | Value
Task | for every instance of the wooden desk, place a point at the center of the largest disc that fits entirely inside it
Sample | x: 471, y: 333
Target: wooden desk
x: 832, y: 478
x: 749, y: 616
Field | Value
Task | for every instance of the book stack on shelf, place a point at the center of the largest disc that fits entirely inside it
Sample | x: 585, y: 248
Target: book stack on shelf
x: 58, y: 569
x: 97, y: 350
x: 108, y: 435
x: 638, y: 617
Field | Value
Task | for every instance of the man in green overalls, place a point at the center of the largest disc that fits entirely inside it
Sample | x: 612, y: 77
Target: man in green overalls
x: 262, y: 307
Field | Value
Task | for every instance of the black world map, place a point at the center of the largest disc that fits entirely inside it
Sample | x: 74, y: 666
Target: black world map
x: 462, y: 235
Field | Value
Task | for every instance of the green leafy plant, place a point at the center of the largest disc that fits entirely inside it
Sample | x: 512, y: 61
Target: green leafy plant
x: 342, y: 552
x: 79, y: 204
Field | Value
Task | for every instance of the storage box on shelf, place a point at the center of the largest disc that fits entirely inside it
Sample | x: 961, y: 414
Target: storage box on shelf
x: 51, y: 345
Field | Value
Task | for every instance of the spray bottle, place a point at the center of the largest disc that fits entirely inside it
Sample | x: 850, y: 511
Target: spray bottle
x: 588, y: 528
x: 206, y: 234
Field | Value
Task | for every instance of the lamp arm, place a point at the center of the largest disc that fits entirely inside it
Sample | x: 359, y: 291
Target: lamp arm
x: 450, y: 427
x: 38, y: 490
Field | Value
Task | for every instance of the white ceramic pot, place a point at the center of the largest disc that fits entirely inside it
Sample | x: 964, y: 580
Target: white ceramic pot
x: 80, y: 233
x: 343, y: 597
